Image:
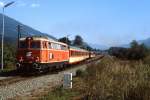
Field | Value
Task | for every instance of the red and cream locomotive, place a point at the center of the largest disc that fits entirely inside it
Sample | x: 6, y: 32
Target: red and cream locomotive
x: 42, y: 53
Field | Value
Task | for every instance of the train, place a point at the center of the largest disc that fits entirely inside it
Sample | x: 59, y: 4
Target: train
x: 43, y: 54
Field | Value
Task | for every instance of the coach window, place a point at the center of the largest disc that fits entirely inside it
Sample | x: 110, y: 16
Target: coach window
x: 70, y: 53
x: 73, y: 53
x: 78, y: 53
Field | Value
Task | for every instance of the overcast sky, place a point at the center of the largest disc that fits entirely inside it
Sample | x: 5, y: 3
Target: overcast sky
x: 107, y: 22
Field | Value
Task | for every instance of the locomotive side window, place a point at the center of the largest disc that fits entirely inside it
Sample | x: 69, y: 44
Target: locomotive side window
x: 22, y: 44
x: 49, y: 45
x: 53, y: 45
x: 44, y: 44
x: 35, y: 44
x: 63, y: 47
x: 56, y: 46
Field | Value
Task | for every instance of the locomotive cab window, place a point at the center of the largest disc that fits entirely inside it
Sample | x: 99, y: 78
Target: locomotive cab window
x: 22, y: 44
x: 35, y: 44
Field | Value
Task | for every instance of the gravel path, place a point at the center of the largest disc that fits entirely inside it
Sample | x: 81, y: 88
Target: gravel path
x: 2, y: 78
x: 24, y: 88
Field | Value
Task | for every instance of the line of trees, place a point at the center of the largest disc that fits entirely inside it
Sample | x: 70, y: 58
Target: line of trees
x: 78, y: 42
x: 135, y: 52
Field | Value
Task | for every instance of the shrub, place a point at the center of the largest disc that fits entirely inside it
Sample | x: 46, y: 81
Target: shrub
x: 112, y: 80
x: 9, y: 55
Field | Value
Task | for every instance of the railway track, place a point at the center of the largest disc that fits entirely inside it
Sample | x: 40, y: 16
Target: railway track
x: 23, y: 86
x: 11, y: 80
x: 22, y: 77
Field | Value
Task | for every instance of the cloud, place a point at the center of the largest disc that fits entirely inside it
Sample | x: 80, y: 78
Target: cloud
x: 1, y: 4
x: 34, y: 5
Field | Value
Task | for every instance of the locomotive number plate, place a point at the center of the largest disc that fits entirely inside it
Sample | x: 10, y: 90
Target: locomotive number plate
x: 28, y: 54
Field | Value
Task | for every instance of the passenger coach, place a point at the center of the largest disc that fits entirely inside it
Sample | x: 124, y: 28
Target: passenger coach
x: 77, y: 55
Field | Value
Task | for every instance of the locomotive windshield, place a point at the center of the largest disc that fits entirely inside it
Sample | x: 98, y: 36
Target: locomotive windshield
x: 22, y: 44
x: 35, y: 44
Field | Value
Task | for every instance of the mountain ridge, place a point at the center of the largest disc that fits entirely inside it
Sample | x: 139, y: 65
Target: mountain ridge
x: 146, y: 42
x: 11, y: 29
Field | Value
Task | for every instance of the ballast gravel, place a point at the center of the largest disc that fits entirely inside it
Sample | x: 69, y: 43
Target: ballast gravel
x: 23, y: 88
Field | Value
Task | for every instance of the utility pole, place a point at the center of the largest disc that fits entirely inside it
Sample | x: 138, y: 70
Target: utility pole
x: 2, y: 60
x: 19, y: 33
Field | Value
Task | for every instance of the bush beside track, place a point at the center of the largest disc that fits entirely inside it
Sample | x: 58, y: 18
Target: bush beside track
x: 111, y: 79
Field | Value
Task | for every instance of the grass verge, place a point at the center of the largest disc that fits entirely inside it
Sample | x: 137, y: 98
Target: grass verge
x: 111, y: 79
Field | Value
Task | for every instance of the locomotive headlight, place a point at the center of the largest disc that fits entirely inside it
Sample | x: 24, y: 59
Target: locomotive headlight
x: 18, y: 65
x: 37, y: 59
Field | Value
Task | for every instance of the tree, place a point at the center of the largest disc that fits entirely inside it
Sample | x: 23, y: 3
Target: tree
x: 9, y: 55
x: 78, y: 41
x: 137, y: 51
x: 89, y: 48
x: 134, y: 44
x: 65, y: 40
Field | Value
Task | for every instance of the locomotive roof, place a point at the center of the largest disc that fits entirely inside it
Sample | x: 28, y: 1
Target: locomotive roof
x: 43, y: 39
x: 77, y: 48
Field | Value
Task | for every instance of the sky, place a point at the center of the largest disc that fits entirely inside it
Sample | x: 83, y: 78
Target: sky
x: 103, y: 22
